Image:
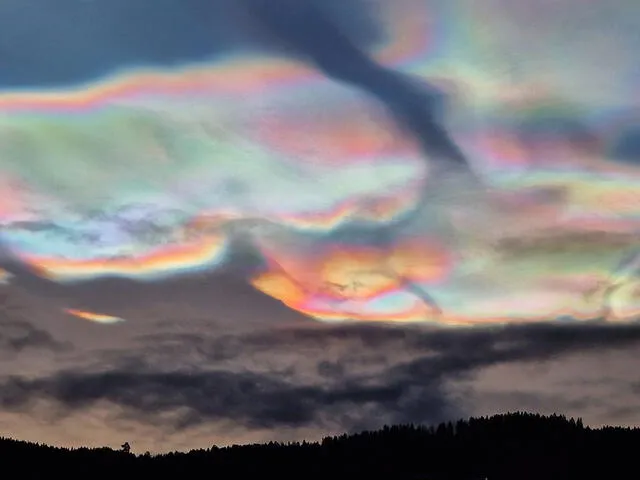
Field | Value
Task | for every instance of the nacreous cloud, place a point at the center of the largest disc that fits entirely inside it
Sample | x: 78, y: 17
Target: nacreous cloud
x: 339, y: 164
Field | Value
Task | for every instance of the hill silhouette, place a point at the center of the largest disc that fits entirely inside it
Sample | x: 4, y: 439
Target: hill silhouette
x: 515, y: 446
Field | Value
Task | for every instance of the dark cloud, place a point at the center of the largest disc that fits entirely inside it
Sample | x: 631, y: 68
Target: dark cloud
x: 353, y: 376
x: 505, y: 343
x: 254, y: 400
x: 626, y: 147
x: 18, y: 334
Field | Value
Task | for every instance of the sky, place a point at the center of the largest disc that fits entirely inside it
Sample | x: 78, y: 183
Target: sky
x: 232, y: 221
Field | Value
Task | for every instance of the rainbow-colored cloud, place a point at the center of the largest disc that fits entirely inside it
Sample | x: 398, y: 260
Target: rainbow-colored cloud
x: 151, y: 174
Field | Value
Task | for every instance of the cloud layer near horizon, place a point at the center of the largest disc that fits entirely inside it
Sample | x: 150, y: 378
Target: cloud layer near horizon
x: 298, y: 381
x: 186, y: 372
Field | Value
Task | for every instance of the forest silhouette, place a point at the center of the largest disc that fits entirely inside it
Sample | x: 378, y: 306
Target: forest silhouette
x: 514, y: 446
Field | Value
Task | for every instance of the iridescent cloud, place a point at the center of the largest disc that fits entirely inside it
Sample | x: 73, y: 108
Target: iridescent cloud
x: 151, y: 174
x: 94, y: 317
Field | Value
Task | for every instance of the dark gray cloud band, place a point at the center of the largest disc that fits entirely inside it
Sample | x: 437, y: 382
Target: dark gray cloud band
x: 355, y: 376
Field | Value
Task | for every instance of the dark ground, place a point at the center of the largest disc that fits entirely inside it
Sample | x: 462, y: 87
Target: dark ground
x: 516, y: 446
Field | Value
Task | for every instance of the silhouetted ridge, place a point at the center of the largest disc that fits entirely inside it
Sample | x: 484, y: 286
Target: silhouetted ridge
x: 511, y: 446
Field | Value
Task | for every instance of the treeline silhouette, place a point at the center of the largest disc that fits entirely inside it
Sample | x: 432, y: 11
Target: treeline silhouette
x: 515, y: 446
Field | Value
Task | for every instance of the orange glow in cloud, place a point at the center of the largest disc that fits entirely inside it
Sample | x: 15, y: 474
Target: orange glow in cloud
x: 373, y: 271
x: 171, y: 259
x: 280, y: 285
x: 93, y: 317
x: 355, y: 274
x: 277, y: 284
